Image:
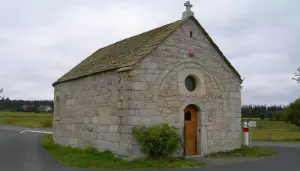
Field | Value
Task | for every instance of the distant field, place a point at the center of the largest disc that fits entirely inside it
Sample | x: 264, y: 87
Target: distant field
x: 24, y: 114
x: 35, y: 120
x: 280, y: 131
x: 274, y: 124
x: 288, y: 136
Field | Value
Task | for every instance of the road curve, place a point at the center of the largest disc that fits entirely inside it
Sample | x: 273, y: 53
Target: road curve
x: 23, y: 152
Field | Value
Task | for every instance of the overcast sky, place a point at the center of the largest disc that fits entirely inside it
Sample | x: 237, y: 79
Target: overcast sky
x: 41, y: 40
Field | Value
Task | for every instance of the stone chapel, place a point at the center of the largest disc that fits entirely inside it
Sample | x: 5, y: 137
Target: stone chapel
x: 173, y: 74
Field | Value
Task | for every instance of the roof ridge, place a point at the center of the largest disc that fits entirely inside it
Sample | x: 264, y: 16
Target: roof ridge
x: 142, y: 42
x: 129, y: 51
x: 154, y: 34
x: 125, y: 52
x: 138, y: 34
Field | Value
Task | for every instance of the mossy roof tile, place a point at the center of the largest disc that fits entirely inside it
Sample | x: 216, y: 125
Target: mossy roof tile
x: 120, y: 54
x: 127, y: 52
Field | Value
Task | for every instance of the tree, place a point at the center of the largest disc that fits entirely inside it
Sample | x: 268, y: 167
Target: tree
x: 1, y: 91
x: 297, y: 75
x: 262, y: 117
x: 292, y: 113
x: 278, y: 115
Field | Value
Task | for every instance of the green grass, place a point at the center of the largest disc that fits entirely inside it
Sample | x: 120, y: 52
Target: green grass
x: 244, y: 152
x: 24, y: 114
x: 277, y: 135
x: 25, y: 119
x: 277, y: 125
x: 91, y: 158
x: 280, y: 131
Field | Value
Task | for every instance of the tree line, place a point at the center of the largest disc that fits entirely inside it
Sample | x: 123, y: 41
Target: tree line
x: 263, y: 111
x: 7, y: 104
x: 248, y: 111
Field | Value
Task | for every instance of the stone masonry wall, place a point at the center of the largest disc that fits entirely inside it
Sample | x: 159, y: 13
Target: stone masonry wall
x: 152, y: 92
x: 83, y: 112
x: 102, y: 109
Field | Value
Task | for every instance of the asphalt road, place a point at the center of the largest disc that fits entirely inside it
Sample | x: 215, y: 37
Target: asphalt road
x: 23, y: 152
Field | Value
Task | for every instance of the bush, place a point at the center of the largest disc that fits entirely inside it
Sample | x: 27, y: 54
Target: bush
x: 12, y: 110
x: 278, y: 115
x: 158, y: 140
x: 259, y: 126
x: 262, y: 117
x: 292, y: 113
x: 46, y: 124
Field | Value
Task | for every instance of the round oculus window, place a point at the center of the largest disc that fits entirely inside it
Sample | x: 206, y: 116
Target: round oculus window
x: 190, y: 83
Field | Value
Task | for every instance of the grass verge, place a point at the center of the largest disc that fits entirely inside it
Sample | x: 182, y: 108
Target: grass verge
x: 91, y: 158
x: 276, y: 135
x: 27, y: 122
x: 244, y: 151
x: 27, y: 119
x: 280, y: 131
x: 25, y: 114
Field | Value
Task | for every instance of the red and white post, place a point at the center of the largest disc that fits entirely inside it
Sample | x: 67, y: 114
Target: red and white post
x: 246, y: 134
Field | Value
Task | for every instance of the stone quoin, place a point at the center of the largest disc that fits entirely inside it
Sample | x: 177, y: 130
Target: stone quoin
x: 149, y: 79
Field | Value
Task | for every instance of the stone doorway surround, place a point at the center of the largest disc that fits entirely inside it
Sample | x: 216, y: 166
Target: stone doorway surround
x: 201, y: 129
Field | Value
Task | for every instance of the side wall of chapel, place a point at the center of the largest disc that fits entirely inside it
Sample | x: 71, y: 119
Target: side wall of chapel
x: 83, y: 112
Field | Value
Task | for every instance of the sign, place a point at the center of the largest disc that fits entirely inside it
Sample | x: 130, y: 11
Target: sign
x: 252, y: 124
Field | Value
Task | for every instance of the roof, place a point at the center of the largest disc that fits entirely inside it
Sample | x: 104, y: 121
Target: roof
x: 128, y: 52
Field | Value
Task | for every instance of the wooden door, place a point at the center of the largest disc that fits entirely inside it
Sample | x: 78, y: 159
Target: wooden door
x: 190, y: 121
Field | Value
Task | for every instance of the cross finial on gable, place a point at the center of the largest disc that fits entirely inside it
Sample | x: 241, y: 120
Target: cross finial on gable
x: 188, y: 12
x: 188, y: 5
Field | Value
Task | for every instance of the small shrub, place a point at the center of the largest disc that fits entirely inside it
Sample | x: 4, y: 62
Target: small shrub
x: 259, y: 126
x: 46, y: 124
x: 12, y: 110
x: 292, y: 113
x: 262, y: 117
x: 158, y: 140
x: 91, y: 149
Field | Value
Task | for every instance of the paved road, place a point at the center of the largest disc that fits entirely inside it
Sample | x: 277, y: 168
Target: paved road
x: 22, y: 152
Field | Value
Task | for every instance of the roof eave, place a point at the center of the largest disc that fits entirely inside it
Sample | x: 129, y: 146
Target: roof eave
x: 122, y: 69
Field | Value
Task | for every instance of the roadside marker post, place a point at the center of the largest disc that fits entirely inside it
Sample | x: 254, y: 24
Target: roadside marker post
x: 246, y: 134
x: 250, y: 134
x: 251, y: 124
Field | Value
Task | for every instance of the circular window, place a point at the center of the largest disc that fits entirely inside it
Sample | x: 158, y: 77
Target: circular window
x: 190, y: 83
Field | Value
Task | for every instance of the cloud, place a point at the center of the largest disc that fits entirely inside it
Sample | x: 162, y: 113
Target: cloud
x: 41, y: 40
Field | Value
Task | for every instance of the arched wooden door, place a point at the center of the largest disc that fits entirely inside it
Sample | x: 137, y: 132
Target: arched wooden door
x: 190, y: 121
